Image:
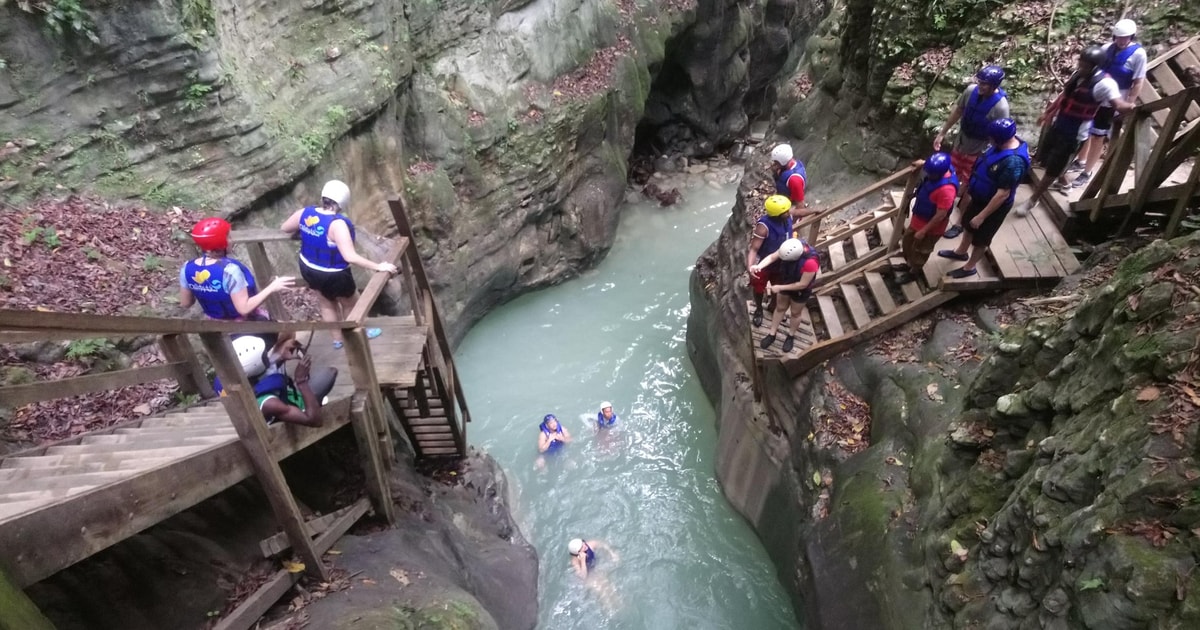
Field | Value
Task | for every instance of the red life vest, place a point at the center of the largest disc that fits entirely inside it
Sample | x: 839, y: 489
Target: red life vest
x: 1078, y: 105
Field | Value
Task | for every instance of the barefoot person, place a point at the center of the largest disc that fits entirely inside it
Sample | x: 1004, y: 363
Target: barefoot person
x: 326, y: 253
x: 794, y: 279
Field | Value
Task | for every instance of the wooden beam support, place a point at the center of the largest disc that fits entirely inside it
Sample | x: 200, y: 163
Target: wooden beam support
x: 192, y: 379
x: 862, y: 227
x: 260, y: 235
x: 1152, y: 176
x: 377, y: 283
x: 264, y: 273
x: 125, y: 326
x: 370, y: 426
x: 17, y: 395
x: 243, y: 411
x: 898, y: 176
x: 1119, y: 202
x: 1181, y: 206
x: 1114, y: 169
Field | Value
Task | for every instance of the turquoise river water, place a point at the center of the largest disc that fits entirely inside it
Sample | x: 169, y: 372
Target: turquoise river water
x: 686, y: 559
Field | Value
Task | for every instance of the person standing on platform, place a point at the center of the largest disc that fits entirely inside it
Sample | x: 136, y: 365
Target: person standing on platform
x: 930, y: 214
x: 794, y: 278
x: 771, y: 230
x: 224, y: 288
x: 990, y: 194
x: 976, y: 108
x: 326, y: 253
x: 1125, y: 62
x: 1070, y: 115
x: 790, y: 179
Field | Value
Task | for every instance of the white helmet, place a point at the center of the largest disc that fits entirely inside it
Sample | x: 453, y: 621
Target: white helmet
x: 338, y: 192
x: 605, y: 405
x: 250, y: 352
x: 575, y: 546
x: 1124, y: 28
x: 792, y: 249
x: 782, y: 154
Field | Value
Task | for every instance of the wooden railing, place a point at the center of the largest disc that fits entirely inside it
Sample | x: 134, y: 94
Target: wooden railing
x: 810, y: 227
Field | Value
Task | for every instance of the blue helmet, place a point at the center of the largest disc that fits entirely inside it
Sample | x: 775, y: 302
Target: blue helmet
x: 991, y: 75
x: 549, y: 417
x: 937, y: 165
x: 1002, y: 130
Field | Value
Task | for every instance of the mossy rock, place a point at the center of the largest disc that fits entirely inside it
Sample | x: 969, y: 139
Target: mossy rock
x: 449, y: 615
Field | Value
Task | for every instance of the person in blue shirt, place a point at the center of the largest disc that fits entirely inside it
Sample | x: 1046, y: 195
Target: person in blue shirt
x: 326, y: 253
x: 606, y: 418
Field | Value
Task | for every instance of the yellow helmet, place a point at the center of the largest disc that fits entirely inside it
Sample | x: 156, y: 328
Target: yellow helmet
x: 776, y: 205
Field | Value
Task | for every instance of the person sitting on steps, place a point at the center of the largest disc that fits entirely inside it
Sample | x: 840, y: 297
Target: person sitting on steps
x: 296, y: 399
x: 326, y: 253
x: 793, y: 285
x: 990, y: 194
x: 770, y: 231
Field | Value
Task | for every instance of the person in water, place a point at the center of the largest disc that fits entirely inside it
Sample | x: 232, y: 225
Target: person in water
x: 326, y: 253
x: 606, y: 418
x: 552, y: 436
x: 583, y: 554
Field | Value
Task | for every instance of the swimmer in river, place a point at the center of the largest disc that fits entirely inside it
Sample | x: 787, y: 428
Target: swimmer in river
x: 551, y: 438
x: 583, y: 558
x: 606, y: 418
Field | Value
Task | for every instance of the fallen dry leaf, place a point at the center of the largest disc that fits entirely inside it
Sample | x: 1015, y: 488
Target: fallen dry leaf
x: 401, y: 576
x: 1148, y: 394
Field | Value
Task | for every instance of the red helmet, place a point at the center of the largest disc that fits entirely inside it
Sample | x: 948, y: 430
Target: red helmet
x: 212, y: 234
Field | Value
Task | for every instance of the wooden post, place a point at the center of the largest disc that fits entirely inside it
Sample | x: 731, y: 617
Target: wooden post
x: 1182, y: 204
x: 17, y: 611
x: 195, y: 381
x: 264, y: 272
x: 910, y: 189
x: 1114, y: 170
x: 370, y: 430
x: 243, y: 411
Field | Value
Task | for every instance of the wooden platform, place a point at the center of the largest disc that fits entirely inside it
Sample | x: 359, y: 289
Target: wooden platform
x: 859, y: 295
x: 121, y: 480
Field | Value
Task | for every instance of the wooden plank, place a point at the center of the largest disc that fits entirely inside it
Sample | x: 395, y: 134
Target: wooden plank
x: 42, y: 461
x: 378, y: 281
x: 1189, y: 188
x: 1168, y: 55
x: 264, y: 273
x: 885, y: 232
x: 898, y: 176
x: 832, y: 347
x: 124, y: 326
x: 1008, y: 253
x: 912, y: 291
x: 18, y: 395
x: 854, y: 302
x: 184, y: 421
x: 260, y: 235
x: 140, y: 445
x: 1038, y: 252
x: 880, y: 291
x: 869, y: 219
x: 1054, y: 240
x: 17, y: 611
x: 243, y: 411
x: 986, y: 280
x: 1150, y: 177
x: 247, y: 614
x: 837, y: 255
x: 861, y: 246
x: 432, y: 429
x: 18, y: 474
x: 1118, y: 203
x: 1149, y: 95
x: 38, y: 543
x: 278, y: 543
x: 368, y: 421
x: 80, y: 480
x: 829, y: 315
x: 192, y: 379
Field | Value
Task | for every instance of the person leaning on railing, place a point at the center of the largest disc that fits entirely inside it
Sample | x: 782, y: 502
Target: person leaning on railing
x: 326, y: 253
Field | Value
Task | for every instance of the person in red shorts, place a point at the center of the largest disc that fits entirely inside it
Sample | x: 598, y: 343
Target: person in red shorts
x: 771, y: 230
x: 793, y: 284
x: 930, y: 214
x: 978, y: 106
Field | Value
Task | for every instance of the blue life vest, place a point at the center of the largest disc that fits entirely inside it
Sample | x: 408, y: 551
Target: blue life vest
x: 781, y: 182
x: 777, y: 233
x: 589, y: 556
x: 315, y: 244
x: 790, y: 271
x: 555, y: 437
x: 1116, y: 65
x: 206, y: 282
x: 604, y: 424
x: 983, y: 185
x: 975, y: 115
x: 276, y: 383
x: 924, y: 206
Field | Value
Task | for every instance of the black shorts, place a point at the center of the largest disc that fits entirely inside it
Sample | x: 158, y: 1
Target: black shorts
x: 1103, y: 121
x: 332, y: 285
x: 1057, y: 150
x: 982, y: 237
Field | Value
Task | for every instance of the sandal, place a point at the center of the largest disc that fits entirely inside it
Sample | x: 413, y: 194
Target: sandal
x: 788, y: 344
x: 756, y: 319
x: 338, y: 345
x: 375, y: 332
x: 963, y: 273
x: 953, y: 232
x: 953, y: 255
x: 767, y: 341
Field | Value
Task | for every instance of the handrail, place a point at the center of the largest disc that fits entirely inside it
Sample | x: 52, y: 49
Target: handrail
x: 125, y: 325
x: 815, y: 219
x: 377, y: 283
x: 18, y: 395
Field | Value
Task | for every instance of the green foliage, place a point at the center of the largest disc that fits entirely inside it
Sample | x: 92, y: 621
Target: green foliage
x: 92, y: 253
x: 185, y: 400
x: 336, y: 115
x: 48, y: 236
x: 62, y: 17
x: 194, y: 95
x: 84, y: 348
x: 152, y: 263
x: 1091, y: 585
x: 198, y: 16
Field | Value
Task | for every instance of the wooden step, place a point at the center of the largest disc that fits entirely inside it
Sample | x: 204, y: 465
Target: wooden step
x: 9, y: 510
x: 432, y: 429
x: 833, y: 325
x: 431, y: 421
x: 436, y: 443
x: 880, y: 291
x: 183, y: 420
x: 180, y: 431
x: 912, y: 290
x: 854, y: 302
x: 137, y: 445
x: 861, y: 245
x: 13, y: 475
x: 837, y: 255
x: 82, y: 480
x: 129, y: 438
x: 43, y: 461
x: 439, y: 451
x: 885, y: 233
